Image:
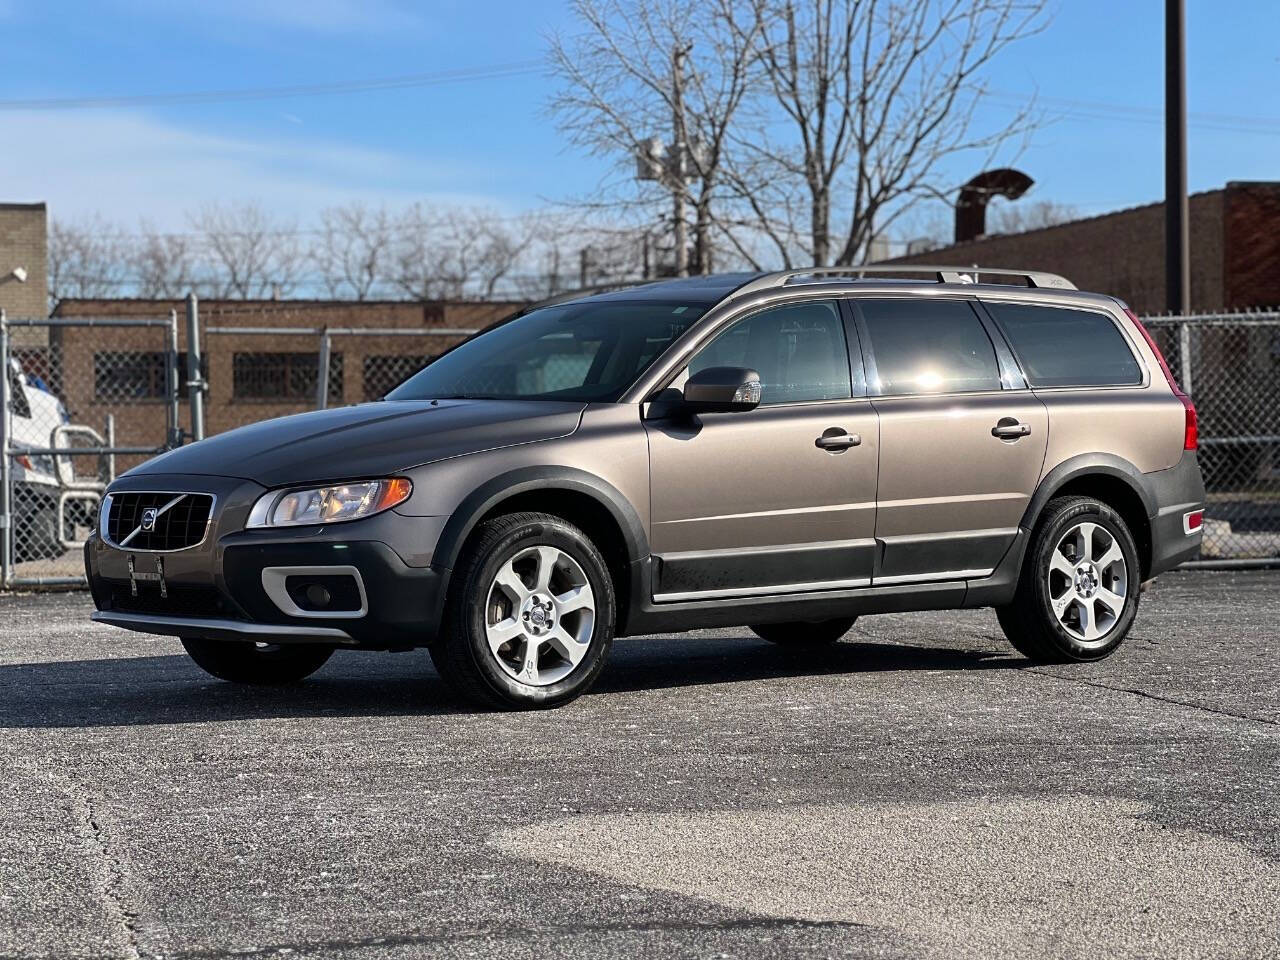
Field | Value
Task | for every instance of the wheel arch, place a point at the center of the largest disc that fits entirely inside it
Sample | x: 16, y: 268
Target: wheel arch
x: 585, y: 500
x: 1111, y: 479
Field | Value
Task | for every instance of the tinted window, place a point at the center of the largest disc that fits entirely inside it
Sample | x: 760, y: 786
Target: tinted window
x: 929, y: 346
x: 798, y: 350
x: 1067, y: 348
x: 577, y: 351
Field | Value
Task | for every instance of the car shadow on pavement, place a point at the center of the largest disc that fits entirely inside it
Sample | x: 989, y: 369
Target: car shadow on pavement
x: 130, y: 691
x: 645, y: 663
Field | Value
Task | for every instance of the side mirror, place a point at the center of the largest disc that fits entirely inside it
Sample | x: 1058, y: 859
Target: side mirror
x: 722, y: 390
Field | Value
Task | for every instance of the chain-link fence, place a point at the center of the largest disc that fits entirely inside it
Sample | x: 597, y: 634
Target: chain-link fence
x: 87, y: 398
x: 278, y: 370
x: 83, y: 400
x: 1230, y: 366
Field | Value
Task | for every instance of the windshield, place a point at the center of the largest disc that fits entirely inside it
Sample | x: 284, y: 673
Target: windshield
x: 576, y: 351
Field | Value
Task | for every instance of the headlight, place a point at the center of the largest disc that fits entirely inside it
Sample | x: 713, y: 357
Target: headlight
x: 347, y: 501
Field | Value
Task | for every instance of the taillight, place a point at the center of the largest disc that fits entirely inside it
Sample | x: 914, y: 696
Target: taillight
x: 1191, y: 423
x: 1191, y: 432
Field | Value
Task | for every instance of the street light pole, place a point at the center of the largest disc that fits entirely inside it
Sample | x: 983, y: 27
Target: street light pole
x: 1176, y: 210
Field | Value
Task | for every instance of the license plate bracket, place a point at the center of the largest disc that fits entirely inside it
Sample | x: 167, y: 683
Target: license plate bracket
x: 156, y: 575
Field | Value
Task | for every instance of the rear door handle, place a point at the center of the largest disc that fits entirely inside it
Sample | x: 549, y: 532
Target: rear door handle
x: 836, y: 439
x: 1010, y: 429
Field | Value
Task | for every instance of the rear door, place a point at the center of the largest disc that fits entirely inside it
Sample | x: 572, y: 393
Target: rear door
x: 962, y: 440
x: 779, y: 499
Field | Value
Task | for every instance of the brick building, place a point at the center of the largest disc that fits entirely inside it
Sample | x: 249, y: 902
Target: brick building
x: 1235, y: 251
x: 251, y: 376
x: 24, y: 246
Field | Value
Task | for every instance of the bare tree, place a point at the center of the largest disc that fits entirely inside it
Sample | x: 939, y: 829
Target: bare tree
x: 87, y: 259
x: 640, y: 69
x: 453, y: 254
x: 877, y: 96
x: 252, y: 254
x: 812, y: 125
x: 162, y: 265
x: 354, y: 250
x: 1015, y: 217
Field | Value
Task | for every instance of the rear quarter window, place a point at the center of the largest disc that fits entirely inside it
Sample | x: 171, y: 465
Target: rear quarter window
x: 1061, y: 347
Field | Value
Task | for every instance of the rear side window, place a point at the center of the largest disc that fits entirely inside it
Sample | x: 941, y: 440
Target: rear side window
x: 928, y: 346
x: 1059, y: 347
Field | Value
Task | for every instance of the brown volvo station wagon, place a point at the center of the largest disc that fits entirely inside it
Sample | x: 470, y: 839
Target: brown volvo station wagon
x: 787, y: 452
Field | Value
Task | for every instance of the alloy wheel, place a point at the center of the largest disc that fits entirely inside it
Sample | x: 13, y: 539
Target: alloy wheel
x: 539, y: 615
x: 1088, y: 582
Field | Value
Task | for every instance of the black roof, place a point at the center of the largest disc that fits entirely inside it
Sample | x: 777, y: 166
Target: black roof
x: 710, y: 289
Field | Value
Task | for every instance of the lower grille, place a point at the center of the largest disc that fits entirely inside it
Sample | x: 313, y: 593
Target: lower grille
x: 182, y: 601
x: 157, y: 521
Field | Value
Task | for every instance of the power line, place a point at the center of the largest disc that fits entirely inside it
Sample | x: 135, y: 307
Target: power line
x: 1101, y: 110
x: 493, y: 71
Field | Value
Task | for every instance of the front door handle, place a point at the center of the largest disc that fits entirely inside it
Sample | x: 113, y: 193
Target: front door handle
x: 1010, y: 429
x: 836, y: 439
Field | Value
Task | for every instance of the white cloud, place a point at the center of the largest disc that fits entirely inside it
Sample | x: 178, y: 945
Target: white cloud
x: 127, y: 165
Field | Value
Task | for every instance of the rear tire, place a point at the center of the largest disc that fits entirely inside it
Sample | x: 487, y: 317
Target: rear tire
x: 1078, y: 590
x: 239, y: 661
x: 530, y: 614
x: 800, y: 633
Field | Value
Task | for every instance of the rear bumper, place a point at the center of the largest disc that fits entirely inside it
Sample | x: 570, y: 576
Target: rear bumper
x: 1176, y: 492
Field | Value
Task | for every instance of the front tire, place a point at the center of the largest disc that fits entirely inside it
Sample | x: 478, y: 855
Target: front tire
x: 259, y: 664
x: 530, y: 614
x: 800, y: 634
x: 1078, y: 590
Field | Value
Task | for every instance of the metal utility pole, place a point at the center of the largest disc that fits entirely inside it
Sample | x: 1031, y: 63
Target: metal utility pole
x: 195, y: 382
x: 6, y: 474
x: 1176, y: 211
x: 679, y: 149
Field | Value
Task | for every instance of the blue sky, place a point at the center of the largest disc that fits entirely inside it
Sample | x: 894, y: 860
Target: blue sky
x: 491, y: 141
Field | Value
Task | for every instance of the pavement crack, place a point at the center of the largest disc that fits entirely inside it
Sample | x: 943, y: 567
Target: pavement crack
x: 1217, y: 711
x: 111, y: 880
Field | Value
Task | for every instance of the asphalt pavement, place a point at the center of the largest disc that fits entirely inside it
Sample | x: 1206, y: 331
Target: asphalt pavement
x: 919, y: 790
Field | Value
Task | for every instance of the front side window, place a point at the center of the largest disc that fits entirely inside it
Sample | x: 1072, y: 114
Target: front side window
x: 928, y: 346
x: 576, y: 351
x: 798, y: 349
x: 1060, y: 347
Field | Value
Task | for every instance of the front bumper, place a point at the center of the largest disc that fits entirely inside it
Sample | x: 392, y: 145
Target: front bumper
x: 216, y: 590
x: 212, y: 628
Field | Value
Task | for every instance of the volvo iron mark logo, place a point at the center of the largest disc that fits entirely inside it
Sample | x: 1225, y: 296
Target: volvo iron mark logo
x: 149, y: 519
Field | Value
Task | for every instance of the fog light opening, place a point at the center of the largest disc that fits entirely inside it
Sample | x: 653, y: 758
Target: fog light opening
x: 317, y: 596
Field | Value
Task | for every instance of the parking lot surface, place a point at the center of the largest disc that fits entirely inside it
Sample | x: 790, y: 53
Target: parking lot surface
x: 918, y: 790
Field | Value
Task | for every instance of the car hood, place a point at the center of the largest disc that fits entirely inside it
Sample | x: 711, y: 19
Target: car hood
x: 369, y: 440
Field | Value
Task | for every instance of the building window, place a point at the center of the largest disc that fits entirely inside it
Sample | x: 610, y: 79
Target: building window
x: 283, y: 377
x: 384, y: 373
x: 121, y: 376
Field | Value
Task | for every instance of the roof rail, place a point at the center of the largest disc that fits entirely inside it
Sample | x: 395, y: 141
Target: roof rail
x: 950, y: 274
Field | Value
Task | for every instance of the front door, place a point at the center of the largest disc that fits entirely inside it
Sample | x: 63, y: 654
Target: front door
x: 781, y: 498
x: 962, y: 441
